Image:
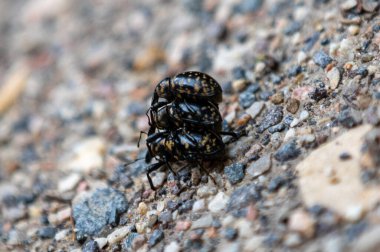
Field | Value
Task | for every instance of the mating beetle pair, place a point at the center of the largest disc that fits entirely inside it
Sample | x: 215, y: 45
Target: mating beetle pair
x: 185, y: 122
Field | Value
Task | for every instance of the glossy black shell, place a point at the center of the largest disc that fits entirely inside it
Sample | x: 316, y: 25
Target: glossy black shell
x: 180, y: 145
x: 192, y: 85
x: 190, y: 115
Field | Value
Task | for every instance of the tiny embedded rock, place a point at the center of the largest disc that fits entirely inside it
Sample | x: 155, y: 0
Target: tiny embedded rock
x: 243, y: 196
x: 218, y: 203
x: 156, y: 237
x: 47, y: 232
x: 300, y: 221
x: 203, y: 222
x: 92, y: 212
x: 292, y: 105
x: 259, y: 167
x: 255, y: 109
x: 234, y: 172
x: 273, y: 117
x: 334, y: 77
x: 287, y: 152
x: 322, y: 59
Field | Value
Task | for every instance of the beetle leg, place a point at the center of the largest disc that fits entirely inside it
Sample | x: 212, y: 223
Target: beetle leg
x: 205, y: 170
x: 171, y: 169
x: 151, y: 169
x: 138, y: 143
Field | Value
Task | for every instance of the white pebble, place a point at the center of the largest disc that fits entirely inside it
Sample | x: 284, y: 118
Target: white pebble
x: 199, y: 205
x: 118, y: 235
x: 304, y: 115
x: 69, y: 183
x: 289, y: 134
x: 218, y: 203
x: 61, y: 235
x: 172, y: 247
x: 101, y: 241
x: 354, y: 213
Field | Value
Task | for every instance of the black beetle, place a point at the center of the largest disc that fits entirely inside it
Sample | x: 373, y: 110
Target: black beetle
x: 192, y: 85
x: 180, y: 145
x: 187, y: 114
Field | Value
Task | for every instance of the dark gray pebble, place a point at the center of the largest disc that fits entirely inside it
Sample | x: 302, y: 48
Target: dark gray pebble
x: 234, y: 172
x: 246, y: 99
x: 156, y: 237
x: 292, y: 28
x: 310, y: 42
x: 96, y: 211
x: 165, y: 217
x: 288, y: 120
x: 294, y: 71
x: 277, y: 128
x: 91, y: 246
x: 276, y: 183
x: 318, y: 93
x: 287, y: 152
x: 127, y: 243
x: 238, y: 73
x: 273, y: 117
x: 243, y: 196
x: 322, y: 59
x: 349, y: 118
x: 47, y: 232
x: 230, y: 233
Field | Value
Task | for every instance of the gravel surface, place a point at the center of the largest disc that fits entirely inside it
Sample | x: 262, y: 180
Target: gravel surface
x: 302, y: 77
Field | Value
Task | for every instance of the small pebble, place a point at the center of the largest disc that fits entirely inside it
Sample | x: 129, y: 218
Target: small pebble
x: 259, y: 167
x: 61, y: 235
x: 69, y: 183
x: 322, y: 59
x: 334, y: 77
x: 348, y: 5
x: 255, y: 109
x: 290, y: 134
x: 287, y: 152
x: 172, y: 247
x: 206, y: 191
x: 203, y: 222
x: 302, y: 222
x: 277, y: 98
x: 345, y: 156
x: 142, y: 209
x: 239, y: 85
x: 91, y: 246
x: 47, y: 232
x: 156, y: 237
x: 118, y: 235
x: 230, y: 233
x: 218, y: 203
x: 244, y: 196
x: 293, y: 240
x: 292, y: 105
x: 102, y: 242
x: 271, y: 118
x: 182, y: 225
x: 354, y: 213
x: 234, y: 173
x: 199, y: 205
x: 354, y: 30
x: 303, y: 115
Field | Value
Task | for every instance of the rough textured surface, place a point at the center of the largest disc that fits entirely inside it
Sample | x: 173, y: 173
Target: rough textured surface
x: 76, y: 80
x: 327, y: 180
